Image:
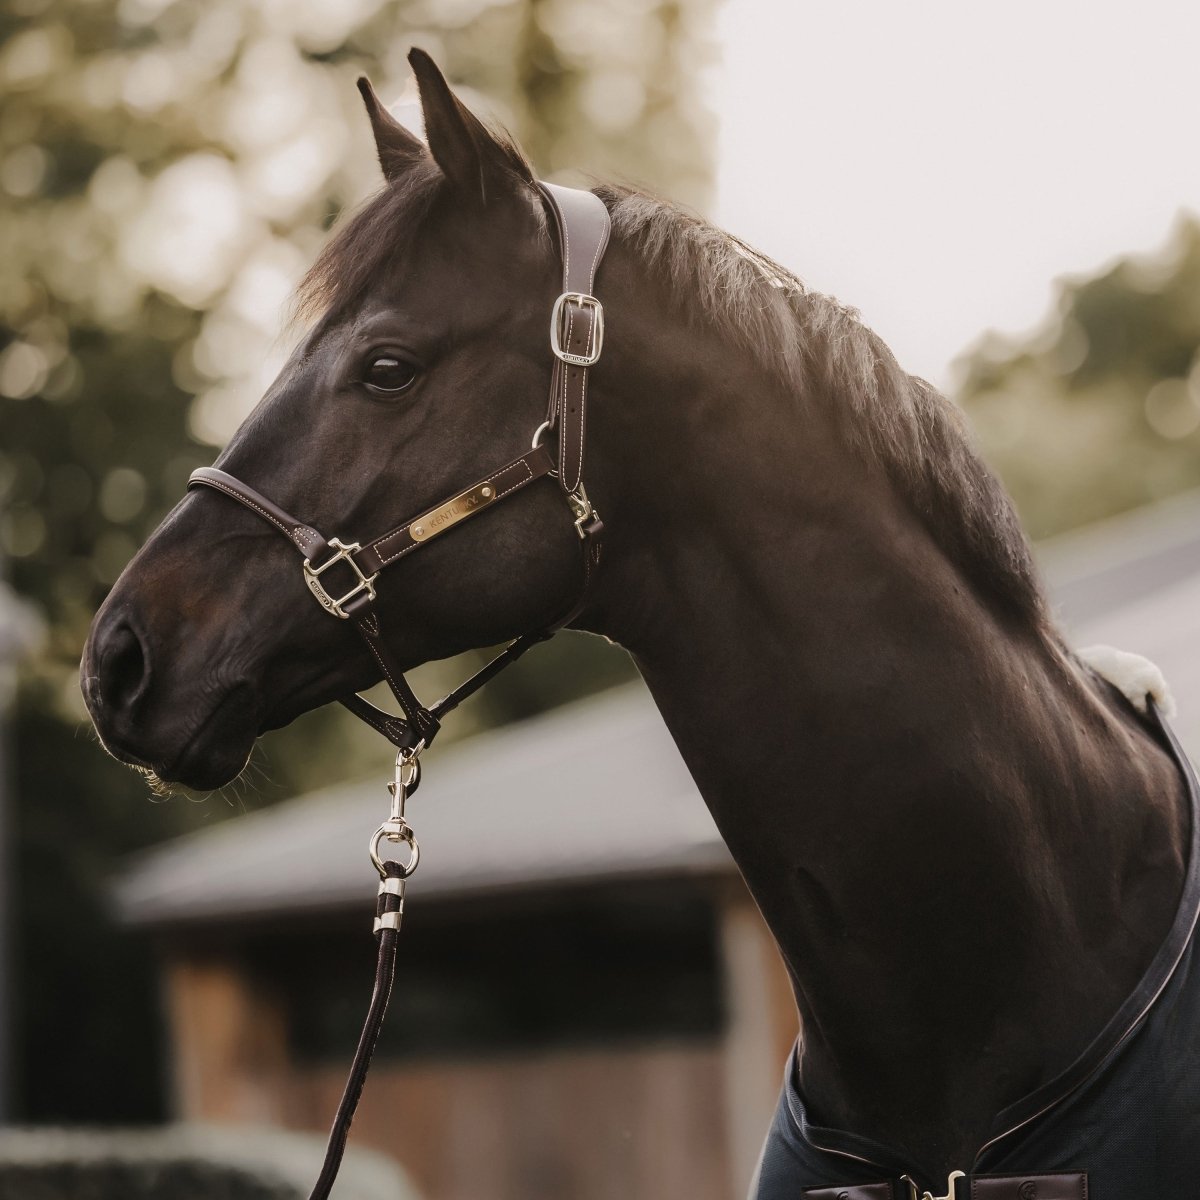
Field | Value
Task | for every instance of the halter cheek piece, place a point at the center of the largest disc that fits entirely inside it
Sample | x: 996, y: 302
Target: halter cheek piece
x: 342, y: 575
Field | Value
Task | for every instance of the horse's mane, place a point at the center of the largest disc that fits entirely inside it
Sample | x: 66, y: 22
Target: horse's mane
x: 808, y: 341
x: 812, y: 342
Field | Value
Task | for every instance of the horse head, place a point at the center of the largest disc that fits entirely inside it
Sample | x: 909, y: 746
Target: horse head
x: 426, y: 364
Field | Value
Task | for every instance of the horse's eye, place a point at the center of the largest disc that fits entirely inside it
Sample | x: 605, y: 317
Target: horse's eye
x: 387, y: 374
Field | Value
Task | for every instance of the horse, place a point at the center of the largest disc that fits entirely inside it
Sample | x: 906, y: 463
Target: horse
x: 976, y: 855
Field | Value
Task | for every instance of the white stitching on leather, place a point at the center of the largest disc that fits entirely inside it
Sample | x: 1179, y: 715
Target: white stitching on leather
x: 519, y: 483
x: 258, y: 508
x: 387, y: 674
x: 582, y: 423
x: 565, y: 226
x: 566, y: 387
x: 378, y: 723
x: 391, y: 558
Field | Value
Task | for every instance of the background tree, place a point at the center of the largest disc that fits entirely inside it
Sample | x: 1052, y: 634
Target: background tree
x: 168, y: 169
x: 1098, y: 411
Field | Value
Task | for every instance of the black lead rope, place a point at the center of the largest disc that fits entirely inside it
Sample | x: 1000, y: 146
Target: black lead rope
x: 390, y: 906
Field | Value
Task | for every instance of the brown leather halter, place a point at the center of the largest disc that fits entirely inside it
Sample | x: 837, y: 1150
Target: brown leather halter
x: 581, y: 223
x: 576, y: 339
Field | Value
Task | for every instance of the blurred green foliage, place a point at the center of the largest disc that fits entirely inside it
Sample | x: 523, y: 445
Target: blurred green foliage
x: 168, y: 168
x: 1098, y: 411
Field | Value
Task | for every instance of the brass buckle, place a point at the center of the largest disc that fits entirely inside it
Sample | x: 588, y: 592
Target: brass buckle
x: 556, y: 323
x: 312, y: 576
x: 917, y: 1194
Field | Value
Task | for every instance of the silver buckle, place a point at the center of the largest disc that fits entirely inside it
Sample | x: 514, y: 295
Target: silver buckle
x: 918, y: 1194
x: 312, y: 576
x: 556, y: 322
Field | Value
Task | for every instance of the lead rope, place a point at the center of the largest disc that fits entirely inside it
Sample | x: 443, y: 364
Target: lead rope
x: 389, y: 911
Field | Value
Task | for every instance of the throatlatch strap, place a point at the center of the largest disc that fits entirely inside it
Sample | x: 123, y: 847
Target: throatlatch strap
x: 419, y: 724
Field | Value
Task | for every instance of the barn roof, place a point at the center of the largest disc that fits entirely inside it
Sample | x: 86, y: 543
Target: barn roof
x: 1109, y: 565
x: 592, y: 791
x: 1134, y: 582
x: 596, y: 790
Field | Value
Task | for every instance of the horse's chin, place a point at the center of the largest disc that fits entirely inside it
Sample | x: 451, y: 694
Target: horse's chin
x: 204, y: 765
x: 202, y: 757
x: 219, y: 752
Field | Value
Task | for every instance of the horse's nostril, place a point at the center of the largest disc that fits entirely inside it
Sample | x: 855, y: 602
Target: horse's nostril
x: 124, y: 669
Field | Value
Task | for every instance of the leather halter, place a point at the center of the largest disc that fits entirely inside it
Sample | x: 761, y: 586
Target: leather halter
x: 576, y: 338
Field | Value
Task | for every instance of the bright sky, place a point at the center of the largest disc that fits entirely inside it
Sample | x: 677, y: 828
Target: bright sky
x: 938, y: 163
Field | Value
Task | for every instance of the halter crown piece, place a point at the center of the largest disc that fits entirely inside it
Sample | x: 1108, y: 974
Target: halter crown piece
x: 342, y: 576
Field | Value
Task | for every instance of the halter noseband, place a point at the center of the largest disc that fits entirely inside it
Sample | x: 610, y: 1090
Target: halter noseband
x: 581, y: 225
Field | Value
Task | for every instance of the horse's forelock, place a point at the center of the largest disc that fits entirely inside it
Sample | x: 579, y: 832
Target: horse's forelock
x: 368, y: 242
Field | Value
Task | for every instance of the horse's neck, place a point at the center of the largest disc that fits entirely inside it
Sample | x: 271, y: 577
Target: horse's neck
x: 966, y: 856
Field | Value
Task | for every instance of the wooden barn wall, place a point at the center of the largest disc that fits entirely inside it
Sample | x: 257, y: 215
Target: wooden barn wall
x: 586, y: 1125
x: 663, y: 1121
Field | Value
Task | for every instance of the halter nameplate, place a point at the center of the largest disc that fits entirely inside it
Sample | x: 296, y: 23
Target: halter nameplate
x: 463, y: 505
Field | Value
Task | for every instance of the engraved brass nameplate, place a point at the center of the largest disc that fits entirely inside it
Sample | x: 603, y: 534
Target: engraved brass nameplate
x: 453, y: 511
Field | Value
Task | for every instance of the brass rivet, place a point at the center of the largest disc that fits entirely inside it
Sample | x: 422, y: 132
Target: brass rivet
x: 418, y: 530
x: 486, y: 493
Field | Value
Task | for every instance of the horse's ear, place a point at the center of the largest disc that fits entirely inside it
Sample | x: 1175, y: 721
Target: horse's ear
x: 476, y: 161
x: 398, y: 149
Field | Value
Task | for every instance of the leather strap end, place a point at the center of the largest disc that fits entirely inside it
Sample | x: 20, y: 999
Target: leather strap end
x: 1062, y: 1185
x: 860, y: 1191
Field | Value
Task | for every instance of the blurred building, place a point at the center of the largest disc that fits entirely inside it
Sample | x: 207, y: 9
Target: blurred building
x: 1133, y: 582
x: 588, y: 1003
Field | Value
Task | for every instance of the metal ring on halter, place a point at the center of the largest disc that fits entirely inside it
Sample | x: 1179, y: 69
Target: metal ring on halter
x: 395, y: 832
x: 537, y: 435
